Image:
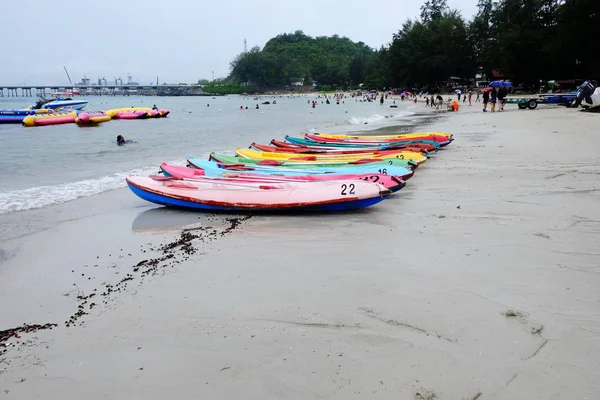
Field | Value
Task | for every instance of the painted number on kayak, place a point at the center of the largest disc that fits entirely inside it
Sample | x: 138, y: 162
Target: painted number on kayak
x: 372, y: 178
x: 383, y: 171
x: 401, y: 156
x: 349, y: 187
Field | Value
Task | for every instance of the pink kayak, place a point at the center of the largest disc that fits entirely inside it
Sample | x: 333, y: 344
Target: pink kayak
x: 393, y: 183
x: 279, y: 196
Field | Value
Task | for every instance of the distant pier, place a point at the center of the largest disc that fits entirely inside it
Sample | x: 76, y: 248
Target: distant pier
x: 103, y: 90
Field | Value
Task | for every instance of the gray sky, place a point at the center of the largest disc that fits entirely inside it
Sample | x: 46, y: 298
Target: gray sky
x: 178, y: 40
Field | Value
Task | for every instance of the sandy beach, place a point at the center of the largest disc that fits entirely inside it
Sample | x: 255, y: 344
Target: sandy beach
x: 479, y: 280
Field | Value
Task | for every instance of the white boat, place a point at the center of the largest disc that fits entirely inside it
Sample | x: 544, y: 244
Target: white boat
x: 596, y: 98
x: 60, y: 104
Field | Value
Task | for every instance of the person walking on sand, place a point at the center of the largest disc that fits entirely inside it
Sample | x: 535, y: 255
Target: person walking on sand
x: 494, y: 99
x: 432, y: 101
x: 426, y: 101
x: 477, y: 98
x: 486, y: 98
x: 502, y: 92
x: 470, y: 95
x: 440, y: 102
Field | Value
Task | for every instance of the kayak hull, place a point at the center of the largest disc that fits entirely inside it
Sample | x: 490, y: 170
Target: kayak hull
x: 390, y: 182
x: 325, y: 196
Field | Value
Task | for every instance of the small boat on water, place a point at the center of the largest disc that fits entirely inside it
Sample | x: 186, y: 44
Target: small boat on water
x: 60, y: 104
x: 391, y: 182
x: 288, y: 196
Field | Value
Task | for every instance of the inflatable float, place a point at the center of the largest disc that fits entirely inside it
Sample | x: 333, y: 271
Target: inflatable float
x: 50, y: 119
x: 113, y: 112
x: 91, y: 118
x: 17, y: 116
x: 139, y: 114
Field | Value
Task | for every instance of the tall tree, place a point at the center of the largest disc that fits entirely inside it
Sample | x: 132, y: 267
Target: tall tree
x: 433, y: 9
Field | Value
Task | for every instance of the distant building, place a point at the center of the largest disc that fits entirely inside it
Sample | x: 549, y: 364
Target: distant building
x: 297, y: 81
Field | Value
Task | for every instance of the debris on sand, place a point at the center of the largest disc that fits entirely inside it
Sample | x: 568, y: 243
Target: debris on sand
x: 8, y: 334
x: 535, y: 328
x: 474, y: 397
x: 512, y: 313
x: 169, y: 254
x: 425, y: 394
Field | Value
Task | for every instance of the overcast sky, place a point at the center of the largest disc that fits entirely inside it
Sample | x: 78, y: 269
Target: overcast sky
x: 176, y: 40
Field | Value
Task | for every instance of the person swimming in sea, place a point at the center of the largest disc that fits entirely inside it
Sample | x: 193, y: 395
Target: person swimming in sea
x: 121, y: 140
x: 154, y: 107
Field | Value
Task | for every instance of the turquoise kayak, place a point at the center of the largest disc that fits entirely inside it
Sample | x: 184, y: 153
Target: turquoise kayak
x: 212, y: 168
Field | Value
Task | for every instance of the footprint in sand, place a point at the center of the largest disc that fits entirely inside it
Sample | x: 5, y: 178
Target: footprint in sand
x: 542, y: 235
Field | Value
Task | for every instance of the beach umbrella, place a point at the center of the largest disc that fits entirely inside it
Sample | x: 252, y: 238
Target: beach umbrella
x: 507, y: 84
x: 487, y: 89
x: 458, y: 91
x: 496, y: 83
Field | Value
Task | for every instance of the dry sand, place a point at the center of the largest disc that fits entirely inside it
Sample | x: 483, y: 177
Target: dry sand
x: 479, y: 280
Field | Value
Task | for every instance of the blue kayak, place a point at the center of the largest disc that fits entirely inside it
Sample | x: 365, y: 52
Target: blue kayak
x: 212, y: 168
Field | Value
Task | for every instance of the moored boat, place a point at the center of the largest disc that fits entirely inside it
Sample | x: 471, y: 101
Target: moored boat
x: 213, y: 168
x: 425, y: 145
x: 296, y: 196
x: 260, y: 155
x: 441, y: 139
x: 391, y: 182
x: 366, y: 144
x: 60, y: 104
x: 303, y: 164
x: 275, y: 149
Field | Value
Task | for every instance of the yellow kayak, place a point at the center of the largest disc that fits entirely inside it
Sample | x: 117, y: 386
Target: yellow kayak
x: 114, y: 111
x: 260, y: 155
x: 384, y: 137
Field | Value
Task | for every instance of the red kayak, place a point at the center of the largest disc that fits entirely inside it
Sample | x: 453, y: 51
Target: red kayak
x: 275, y: 149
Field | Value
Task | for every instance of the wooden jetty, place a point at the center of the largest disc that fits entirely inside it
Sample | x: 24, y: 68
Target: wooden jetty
x: 100, y: 90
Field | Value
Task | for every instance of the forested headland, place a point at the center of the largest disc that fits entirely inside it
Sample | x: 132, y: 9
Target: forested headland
x: 522, y: 40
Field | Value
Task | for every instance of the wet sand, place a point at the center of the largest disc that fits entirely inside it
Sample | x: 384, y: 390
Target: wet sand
x: 478, y: 280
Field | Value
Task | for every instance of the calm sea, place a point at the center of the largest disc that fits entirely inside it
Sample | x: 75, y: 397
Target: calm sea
x: 42, y: 166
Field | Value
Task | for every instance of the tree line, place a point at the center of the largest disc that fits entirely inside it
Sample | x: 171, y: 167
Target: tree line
x: 522, y: 40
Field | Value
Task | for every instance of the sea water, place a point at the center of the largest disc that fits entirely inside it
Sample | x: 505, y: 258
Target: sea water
x: 47, y: 165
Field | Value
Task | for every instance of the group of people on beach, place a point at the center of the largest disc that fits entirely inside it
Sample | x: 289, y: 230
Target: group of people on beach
x: 493, y: 96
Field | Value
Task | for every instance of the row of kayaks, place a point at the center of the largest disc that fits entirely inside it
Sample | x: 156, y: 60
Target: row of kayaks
x: 289, y: 176
x: 48, y: 117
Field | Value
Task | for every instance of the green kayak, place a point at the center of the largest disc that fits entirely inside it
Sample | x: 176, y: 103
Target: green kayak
x: 304, y: 164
